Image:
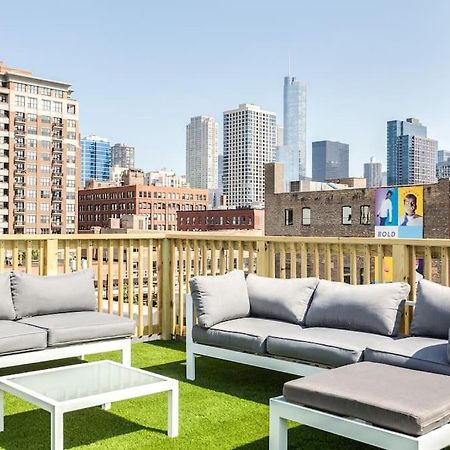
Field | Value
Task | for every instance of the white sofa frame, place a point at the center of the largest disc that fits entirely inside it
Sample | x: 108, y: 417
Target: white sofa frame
x: 282, y: 410
x: 266, y: 362
x: 69, y: 351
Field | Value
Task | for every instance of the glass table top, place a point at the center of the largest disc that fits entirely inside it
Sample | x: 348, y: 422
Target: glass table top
x: 83, y: 380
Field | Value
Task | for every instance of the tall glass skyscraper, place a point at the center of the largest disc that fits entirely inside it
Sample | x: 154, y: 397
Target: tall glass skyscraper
x: 95, y: 159
x: 293, y: 151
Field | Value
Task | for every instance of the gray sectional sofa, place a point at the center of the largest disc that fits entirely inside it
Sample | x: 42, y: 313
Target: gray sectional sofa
x: 302, y: 326
x: 46, y: 318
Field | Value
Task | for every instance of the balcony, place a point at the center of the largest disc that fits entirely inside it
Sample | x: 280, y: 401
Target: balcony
x: 19, y: 132
x: 19, y: 145
x: 19, y: 119
x: 19, y: 156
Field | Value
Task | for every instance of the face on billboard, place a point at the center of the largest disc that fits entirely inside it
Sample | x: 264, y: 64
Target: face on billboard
x: 410, y: 218
x: 386, y: 207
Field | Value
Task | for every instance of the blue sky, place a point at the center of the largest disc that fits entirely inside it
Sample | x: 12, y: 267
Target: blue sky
x: 141, y: 69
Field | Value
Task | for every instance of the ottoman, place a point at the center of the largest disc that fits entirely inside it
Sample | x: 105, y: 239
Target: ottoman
x: 385, y: 406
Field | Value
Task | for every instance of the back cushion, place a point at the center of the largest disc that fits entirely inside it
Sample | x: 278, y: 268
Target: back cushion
x: 432, y: 312
x: 372, y: 308
x: 34, y: 295
x: 219, y: 298
x: 278, y: 299
x: 6, y: 305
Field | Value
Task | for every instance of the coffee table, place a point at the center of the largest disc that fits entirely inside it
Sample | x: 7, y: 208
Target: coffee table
x: 70, y: 388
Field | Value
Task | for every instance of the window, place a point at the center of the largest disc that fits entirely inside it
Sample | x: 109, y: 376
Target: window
x: 71, y: 135
x: 71, y: 123
x: 289, y: 216
x: 365, y: 215
x: 32, y: 117
x: 57, y: 107
x: 20, y: 100
x: 32, y: 102
x: 33, y: 89
x: 346, y: 215
x: 46, y: 105
x: 71, y: 109
x: 306, y: 216
x: 46, y: 91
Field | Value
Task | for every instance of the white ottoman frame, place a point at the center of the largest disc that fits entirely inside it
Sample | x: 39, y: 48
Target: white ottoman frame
x: 281, y: 411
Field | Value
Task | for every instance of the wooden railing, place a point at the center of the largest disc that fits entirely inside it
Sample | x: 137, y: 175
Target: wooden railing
x: 145, y: 276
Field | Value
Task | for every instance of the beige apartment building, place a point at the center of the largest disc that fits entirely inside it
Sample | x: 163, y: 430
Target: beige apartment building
x: 39, y: 154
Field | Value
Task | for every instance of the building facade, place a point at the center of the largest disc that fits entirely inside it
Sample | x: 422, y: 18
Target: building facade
x: 122, y: 155
x: 159, y: 204
x: 166, y: 178
x: 373, y: 173
x: 443, y: 155
x: 221, y: 220
x: 39, y: 154
x: 95, y: 159
x: 201, y: 152
x: 292, y: 152
x: 249, y: 141
x: 443, y: 169
x: 329, y: 160
x: 411, y: 155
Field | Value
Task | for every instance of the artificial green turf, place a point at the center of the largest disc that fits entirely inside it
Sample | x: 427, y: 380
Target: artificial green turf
x: 226, y: 407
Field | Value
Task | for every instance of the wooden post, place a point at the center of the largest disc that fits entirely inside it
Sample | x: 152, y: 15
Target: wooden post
x: 165, y: 283
x: 262, y: 256
x: 51, y: 257
x: 401, y: 272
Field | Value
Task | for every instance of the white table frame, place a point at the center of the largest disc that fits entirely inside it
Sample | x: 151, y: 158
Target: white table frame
x: 57, y: 409
x: 281, y: 411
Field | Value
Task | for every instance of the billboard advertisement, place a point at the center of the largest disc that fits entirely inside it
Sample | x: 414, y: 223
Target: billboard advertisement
x: 399, y: 212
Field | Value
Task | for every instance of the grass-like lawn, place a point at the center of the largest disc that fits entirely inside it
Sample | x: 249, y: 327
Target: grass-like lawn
x: 226, y: 407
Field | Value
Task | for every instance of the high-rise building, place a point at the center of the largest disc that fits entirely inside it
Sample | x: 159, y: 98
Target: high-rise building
x: 443, y: 169
x: 166, y: 178
x: 292, y: 153
x: 249, y: 140
x: 201, y: 152
x: 39, y: 147
x: 411, y: 155
x: 373, y: 173
x: 122, y: 155
x: 95, y: 159
x: 329, y: 160
x: 443, y: 155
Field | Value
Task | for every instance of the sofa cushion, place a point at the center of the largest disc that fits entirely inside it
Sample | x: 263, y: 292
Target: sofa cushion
x: 17, y: 337
x: 432, y: 311
x: 420, y: 353
x: 34, y: 295
x: 408, y: 401
x: 278, y: 299
x: 328, y: 346
x: 247, y: 334
x: 219, y: 298
x: 371, y: 308
x: 6, y: 305
x: 74, y: 327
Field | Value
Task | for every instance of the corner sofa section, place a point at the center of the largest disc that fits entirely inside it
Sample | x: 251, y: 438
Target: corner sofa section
x: 54, y: 317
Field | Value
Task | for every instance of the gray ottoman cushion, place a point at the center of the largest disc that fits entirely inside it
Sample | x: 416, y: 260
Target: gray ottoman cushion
x: 278, y: 299
x: 408, y: 401
x: 34, y: 295
x: 327, y: 346
x: 17, y: 337
x: 420, y: 353
x: 83, y: 326
x: 371, y: 308
x: 219, y: 298
x: 248, y: 334
x: 432, y: 311
x: 6, y: 305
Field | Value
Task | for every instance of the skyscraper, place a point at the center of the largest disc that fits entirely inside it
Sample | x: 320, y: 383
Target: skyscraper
x: 411, y: 155
x: 443, y: 155
x: 201, y: 152
x: 122, y: 155
x: 373, y: 173
x: 249, y: 140
x: 95, y: 159
x: 293, y: 151
x: 329, y: 160
x: 39, y: 147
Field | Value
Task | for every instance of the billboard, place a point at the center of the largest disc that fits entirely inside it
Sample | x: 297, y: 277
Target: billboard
x: 399, y: 212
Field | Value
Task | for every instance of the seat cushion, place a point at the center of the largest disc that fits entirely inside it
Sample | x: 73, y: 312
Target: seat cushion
x: 17, y: 337
x: 219, y: 298
x: 248, y: 334
x: 408, y: 401
x: 370, y: 308
x: 327, y: 346
x: 432, y: 311
x: 34, y: 295
x: 71, y: 328
x: 7, y: 311
x: 278, y: 299
x: 420, y: 353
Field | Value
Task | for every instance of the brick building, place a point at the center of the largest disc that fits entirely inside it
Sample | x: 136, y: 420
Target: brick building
x: 159, y: 204
x: 221, y: 220
x: 321, y: 213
